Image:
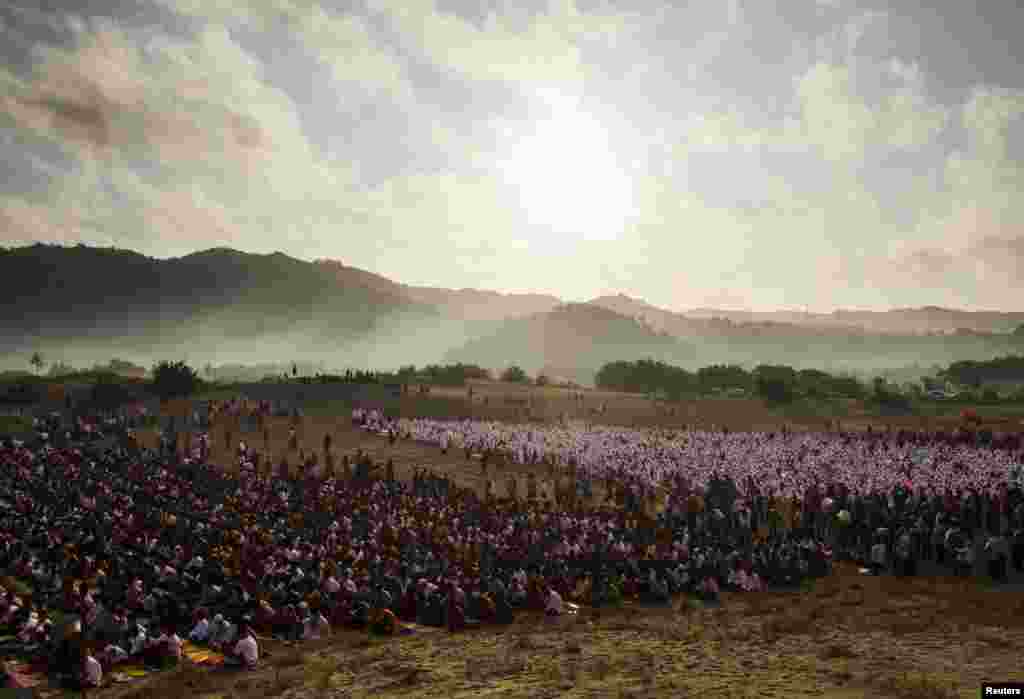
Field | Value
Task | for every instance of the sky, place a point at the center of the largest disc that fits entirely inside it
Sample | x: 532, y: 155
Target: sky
x: 799, y: 154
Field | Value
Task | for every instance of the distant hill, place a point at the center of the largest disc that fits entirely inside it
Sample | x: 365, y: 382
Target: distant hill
x: 54, y: 294
x: 577, y: 335
x: 85, y: 304
x: 478, y: 305
x: 898, y: 321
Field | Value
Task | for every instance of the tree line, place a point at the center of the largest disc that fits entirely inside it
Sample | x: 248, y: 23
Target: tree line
x: 773, y: 382
x: 770, y: 381
x: 781, y: 384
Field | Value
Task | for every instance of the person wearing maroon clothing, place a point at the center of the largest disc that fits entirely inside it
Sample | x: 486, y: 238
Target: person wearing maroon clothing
x: 340, y: 613
x: 456, y: 612
x: 407, y: 605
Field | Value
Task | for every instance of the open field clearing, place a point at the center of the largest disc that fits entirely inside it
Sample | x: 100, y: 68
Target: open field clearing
x: 848, y: 636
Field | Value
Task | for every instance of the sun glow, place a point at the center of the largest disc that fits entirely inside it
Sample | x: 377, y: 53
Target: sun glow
x: 566, y: 176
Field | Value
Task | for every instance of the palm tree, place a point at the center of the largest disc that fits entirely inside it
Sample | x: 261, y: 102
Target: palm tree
x: 37, y: 361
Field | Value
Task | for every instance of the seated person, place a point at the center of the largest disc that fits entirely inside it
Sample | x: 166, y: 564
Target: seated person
x: 165, y: 650
x: 91, y: 673
x: 27, y: 630
x: 456, y: 616
x: 287, y: 624
x: 137, y: 641
x: 245, y: 653
x: 360, y: 614
x: 486, y: 607
x: 655, y: 590
x: 222, y: 633
x: 407, y: 606
x: 111, y: 655
x: 265, y: 616
x: 430, y: 610
x: 383, y: 622
x: 315, y: 627
x: 552, y: 602
x: 201, y: 631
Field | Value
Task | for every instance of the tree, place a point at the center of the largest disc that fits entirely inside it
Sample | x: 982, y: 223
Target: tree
x: 58, y: 369
x: 109, y: 392
x: 1019, y: 331
x: 773, y: 388
x: 37, y: 361
x: 775, y: 383
x: 174, y: 379
x: 514, y: 374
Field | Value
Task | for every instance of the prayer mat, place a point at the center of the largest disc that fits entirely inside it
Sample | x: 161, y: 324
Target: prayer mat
x: 135, y: 671
x: 121, y: 678
x: 7, y: 638
x: 202, y: 656
x: 22, y: 675
x: 420, y: 628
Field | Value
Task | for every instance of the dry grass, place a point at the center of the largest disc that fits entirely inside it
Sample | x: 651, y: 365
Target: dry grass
x: 914, y: 685
x: 816, y: 647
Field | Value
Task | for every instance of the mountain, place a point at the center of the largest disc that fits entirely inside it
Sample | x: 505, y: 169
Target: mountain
x: 84, y: 305
x: 207, y: 300
x: 479, y: 305
x: 706, y: 325
x: 898, y: 321
x: 573, y: 335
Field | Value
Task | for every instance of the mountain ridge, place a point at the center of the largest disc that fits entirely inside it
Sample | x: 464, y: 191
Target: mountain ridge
x: 223, y: 301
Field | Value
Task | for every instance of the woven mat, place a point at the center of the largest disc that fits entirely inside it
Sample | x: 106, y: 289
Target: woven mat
x: 202, y: 656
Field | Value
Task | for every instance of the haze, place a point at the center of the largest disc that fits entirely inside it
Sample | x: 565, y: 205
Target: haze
x: 761, y: 155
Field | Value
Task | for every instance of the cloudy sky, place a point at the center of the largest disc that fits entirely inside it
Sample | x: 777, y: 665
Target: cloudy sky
x: 798, y: 154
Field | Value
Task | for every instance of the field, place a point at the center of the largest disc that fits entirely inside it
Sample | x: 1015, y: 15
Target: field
x: 849, y: 636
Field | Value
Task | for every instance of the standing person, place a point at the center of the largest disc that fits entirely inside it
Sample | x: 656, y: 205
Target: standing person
x: 1018, y: 548
x: 905, y: 553
x: 878, y: 552
x: 938, y: 539
x: 998, y: 553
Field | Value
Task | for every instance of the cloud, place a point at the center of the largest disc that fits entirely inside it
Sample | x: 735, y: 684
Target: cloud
x: 177, y: 144
x: 547, y: 52
x: 987, y: 117
x: 843, y: 125
x: 344, y: 42
x: 105, y: 95
x: 386, y: 153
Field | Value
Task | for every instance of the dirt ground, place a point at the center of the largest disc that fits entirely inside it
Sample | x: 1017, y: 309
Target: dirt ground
x: 847, y: 636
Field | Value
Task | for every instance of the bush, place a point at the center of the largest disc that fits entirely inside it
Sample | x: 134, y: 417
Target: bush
x: 108, y: 393
x: 174, y: 379
x: 514, y: 374
x: 774, y: 389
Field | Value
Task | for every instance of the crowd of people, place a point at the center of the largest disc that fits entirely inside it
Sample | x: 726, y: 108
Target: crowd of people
x: 144, y: 550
